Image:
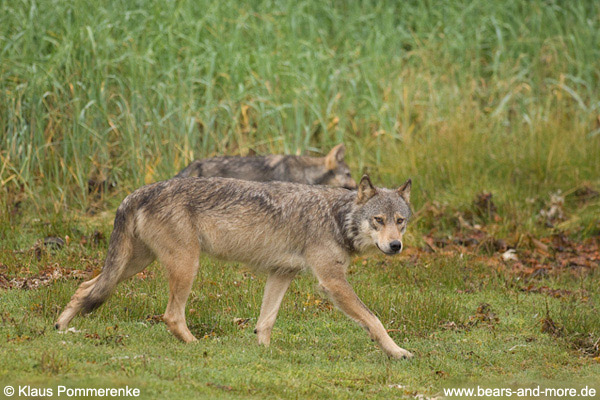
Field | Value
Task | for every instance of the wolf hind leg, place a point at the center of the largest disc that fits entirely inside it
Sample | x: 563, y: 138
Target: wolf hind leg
x: 124, y: 260
x: 275, y: 288
x: 181, y: 272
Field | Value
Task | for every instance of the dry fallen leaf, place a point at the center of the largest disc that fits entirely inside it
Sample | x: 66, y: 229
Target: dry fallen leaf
x: 510, y: 255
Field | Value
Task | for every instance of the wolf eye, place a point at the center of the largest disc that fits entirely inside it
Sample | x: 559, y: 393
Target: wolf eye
x: 379, y: 220
x: 399, y: 221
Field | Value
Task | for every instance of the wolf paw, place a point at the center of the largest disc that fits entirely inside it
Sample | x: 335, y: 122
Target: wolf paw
x: 401, y: 354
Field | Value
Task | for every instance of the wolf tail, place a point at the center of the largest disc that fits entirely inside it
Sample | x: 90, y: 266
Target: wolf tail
x: 120, y: 264
x: 120, y: 250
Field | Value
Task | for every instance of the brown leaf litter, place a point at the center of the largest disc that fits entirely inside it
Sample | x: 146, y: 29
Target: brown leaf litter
x: 45, y: 277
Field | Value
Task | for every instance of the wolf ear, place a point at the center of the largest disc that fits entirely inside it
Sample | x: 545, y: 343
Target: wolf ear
x: 366, y: 190
x: 335, y: 156
x: 404, y: 190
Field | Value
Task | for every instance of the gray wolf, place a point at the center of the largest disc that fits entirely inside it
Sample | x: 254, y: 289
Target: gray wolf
x: 330, y: 170
x: 279, y: 228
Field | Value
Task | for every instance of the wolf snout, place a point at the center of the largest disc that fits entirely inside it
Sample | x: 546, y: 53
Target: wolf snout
x: 391, y: 248
x: 396, y: 246
x: 351, y: 185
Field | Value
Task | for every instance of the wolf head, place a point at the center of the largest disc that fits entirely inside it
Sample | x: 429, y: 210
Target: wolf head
x: 338, y: 173
x: 380, y: 218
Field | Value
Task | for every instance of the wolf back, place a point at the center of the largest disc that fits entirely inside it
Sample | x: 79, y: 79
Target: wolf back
x: 330, y: 170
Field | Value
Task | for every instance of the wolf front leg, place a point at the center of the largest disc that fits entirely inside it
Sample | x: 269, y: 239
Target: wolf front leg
x: 277, y: 285
x: 333, y: 282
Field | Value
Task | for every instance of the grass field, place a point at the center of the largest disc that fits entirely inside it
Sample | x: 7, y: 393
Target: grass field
x: 465, y: 97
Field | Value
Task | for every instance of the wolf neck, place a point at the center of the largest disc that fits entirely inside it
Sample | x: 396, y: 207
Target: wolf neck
x: 348, y: 223
x: 312, y: 169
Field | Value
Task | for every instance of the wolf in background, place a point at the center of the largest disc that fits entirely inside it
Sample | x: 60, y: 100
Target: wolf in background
x: 330, y: 170
x: 279, y: 228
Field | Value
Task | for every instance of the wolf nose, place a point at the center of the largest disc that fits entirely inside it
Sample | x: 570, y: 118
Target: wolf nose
x: 396, y: 246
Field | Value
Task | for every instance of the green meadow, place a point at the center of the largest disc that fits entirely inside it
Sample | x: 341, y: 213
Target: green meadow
x: 464, y: 97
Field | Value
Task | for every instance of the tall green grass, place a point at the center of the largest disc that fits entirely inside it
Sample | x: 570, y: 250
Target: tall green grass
x: 461, y: 95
